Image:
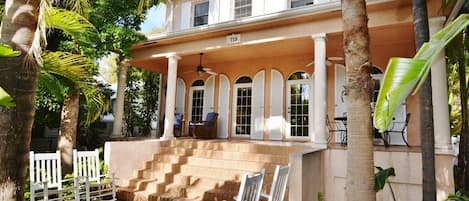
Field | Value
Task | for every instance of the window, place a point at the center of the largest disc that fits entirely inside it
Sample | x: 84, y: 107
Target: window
x: 243, y: 8
x: 300, y: 3
x: 197, y: 105
x: 201, y: 13
x: 243, y: 98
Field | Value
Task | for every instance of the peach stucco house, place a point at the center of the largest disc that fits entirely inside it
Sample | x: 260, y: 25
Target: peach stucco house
x: 265, y: 55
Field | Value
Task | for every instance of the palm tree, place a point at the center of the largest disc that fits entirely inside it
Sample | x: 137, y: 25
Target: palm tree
x: 65, y: 70
x: 360, y: 166
x: 20, y: 81
x: 426, y: 107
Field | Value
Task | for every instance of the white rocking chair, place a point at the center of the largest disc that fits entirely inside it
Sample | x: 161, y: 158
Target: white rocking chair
x: 279, y: 184
x: 86, y: 171
x: 251, y: 186
x: 45, y: 175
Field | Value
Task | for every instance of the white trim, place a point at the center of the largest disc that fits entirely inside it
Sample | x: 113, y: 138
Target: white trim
x: 276, y: 118
x: 209, y: 96
x: 180, y: 95
x: 223, y: 106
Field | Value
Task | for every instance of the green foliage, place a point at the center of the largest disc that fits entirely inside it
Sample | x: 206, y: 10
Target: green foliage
x: 63, y: 71
x: 5, y: 99
x: 402, y: 75
x: 69, y: 22
x: 320, y: 196
x: 458, y: 196
x: 141, y: 100
x: 7, y: 51
x: 381, y: 177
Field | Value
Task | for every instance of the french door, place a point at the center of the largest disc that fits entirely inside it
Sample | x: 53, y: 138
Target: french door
x: 298, y: 114
x: 242, y: 110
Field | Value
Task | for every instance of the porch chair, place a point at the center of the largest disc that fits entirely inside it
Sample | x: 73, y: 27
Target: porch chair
x: 251, y: 186
x: 397, y: 127
x: 279, y: 184
x: 336, y: 129
x: 178, y: 124
x: 87, y: 172
x: 204, y: 129
x: 45, y: 177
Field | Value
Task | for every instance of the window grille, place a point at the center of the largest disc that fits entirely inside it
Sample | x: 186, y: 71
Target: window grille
x: 201, y: 13
x: 300, y: 3
x: 243, y: 8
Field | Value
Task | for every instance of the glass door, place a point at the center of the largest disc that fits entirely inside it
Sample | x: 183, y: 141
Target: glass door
x: 298, y: 100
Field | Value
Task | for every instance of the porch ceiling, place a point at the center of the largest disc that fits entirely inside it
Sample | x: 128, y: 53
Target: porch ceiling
x: 386, y: 41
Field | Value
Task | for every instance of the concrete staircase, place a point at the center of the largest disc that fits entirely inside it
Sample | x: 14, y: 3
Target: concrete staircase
x: 186, y: 170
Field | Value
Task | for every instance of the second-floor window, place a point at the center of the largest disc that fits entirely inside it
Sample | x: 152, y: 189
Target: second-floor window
x: 242, y: 8
x: 201, y: 14
x: 299, y: 3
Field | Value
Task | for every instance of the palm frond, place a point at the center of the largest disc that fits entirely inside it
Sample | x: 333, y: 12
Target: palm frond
x: 402, y: 75
x: 74, y: 68
x: 81, y: 7
x: 39, y: 39
x: 70, y: 22
x: 53, y: 85
x: 146, y: 4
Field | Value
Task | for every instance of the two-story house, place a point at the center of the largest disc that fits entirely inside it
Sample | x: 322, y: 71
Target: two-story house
x: 274, y: 71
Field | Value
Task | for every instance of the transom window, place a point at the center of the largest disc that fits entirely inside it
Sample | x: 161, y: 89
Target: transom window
x: 197, y: 99
x: 201, y: 13
x: 243, y: 106
x: 243, y: 8
x: 300, y: 3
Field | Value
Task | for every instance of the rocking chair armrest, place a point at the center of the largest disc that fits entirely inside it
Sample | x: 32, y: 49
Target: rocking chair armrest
x: 264, y: 195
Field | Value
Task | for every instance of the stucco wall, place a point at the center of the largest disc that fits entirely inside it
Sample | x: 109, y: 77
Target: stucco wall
x: 407, y: 184
x: 124, y: 158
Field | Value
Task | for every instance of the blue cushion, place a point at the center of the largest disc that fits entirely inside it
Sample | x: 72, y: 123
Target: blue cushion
x: 212, y: 116
x: 177, y: 119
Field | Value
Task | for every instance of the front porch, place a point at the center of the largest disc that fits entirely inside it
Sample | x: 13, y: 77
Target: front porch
x: 151, y: 169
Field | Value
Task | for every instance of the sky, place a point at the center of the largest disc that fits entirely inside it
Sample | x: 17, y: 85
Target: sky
x: 155, y: 18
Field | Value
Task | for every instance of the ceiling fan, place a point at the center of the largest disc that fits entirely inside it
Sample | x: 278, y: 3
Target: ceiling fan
x: 201, y: 69
x: 329, y: 61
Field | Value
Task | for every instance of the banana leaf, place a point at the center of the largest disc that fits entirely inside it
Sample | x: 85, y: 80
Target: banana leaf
x: 5, y: 99
x: 404, y: 74
x: 7, y: 51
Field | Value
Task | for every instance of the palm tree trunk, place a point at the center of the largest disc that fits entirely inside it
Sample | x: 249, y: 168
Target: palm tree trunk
x: 68, y: 130
x: 18, y: 28
x: 360, y: 165
x: 463, y: 157
x: 426, y: 107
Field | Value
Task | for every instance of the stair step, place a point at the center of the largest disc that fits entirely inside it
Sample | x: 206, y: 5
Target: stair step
x: 230, y: 164
x: 241, y: 156
x: 164, y: 158
x: 184, y: 170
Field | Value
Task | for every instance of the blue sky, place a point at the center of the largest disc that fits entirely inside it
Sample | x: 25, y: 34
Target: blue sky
x: 155, y: 18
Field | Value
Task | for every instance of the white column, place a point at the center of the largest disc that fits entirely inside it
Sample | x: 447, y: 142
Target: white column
x: 170, y: 97
x: 440, y: 93
x: 320, y: 89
